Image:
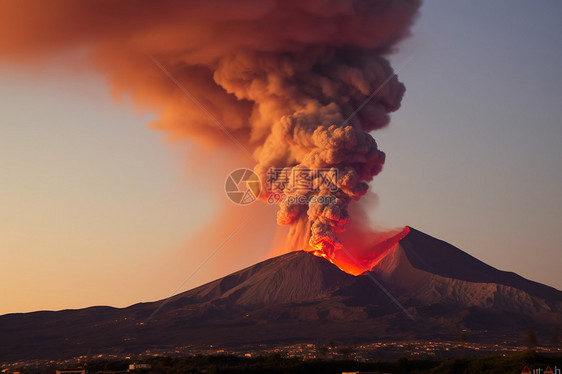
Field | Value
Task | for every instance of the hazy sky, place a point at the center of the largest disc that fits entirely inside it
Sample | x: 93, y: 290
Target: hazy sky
x: 96, y: 209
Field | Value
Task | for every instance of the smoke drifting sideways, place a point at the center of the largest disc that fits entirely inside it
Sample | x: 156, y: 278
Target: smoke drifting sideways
x: 284, y: 77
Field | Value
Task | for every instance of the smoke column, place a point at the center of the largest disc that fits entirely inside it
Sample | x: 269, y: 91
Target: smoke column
x: 283, y: 77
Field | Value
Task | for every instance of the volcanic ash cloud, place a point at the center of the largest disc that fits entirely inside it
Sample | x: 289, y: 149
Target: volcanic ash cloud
x: 286, y: 78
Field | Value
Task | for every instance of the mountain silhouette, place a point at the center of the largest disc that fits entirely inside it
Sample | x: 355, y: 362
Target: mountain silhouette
x: 436, y: 290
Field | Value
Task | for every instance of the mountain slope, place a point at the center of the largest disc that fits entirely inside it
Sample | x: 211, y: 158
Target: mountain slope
x: 422, y: 288
x: 291, y: 278
x: 438, y: 257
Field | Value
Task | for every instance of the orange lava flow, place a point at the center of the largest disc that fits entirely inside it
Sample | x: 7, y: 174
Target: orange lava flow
x: 355, y: 261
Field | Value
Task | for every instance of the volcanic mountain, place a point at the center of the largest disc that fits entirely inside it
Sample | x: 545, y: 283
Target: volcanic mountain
x: 423, y: 288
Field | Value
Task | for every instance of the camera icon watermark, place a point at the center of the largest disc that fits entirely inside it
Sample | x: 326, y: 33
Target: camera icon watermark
x: 242, y: 186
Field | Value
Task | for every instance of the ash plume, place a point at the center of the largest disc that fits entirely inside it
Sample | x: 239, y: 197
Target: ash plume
x: 284, y: 77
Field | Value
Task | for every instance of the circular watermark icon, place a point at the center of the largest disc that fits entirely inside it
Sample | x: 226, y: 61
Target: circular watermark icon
x: 242, y: 186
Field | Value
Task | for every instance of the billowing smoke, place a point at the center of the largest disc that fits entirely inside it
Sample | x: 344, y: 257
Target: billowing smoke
x: 285, y: 77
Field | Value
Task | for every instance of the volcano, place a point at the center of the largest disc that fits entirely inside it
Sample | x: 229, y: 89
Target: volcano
x: 438, y: 291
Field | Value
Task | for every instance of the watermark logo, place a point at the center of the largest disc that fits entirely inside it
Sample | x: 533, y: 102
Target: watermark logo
x: 288, y: 186
x: 548, y: 370
x: 301, y: 179
x: 242, y: 186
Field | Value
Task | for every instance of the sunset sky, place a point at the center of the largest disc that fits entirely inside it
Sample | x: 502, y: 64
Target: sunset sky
x: 98, y: 209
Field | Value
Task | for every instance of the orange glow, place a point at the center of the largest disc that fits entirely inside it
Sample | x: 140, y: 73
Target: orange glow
x: 357, y: 262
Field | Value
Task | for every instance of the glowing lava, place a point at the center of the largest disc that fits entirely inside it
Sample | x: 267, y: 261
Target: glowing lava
x: 356, y: 262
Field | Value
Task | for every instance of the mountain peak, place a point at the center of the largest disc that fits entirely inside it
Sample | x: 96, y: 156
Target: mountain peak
x: 290, y: 278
